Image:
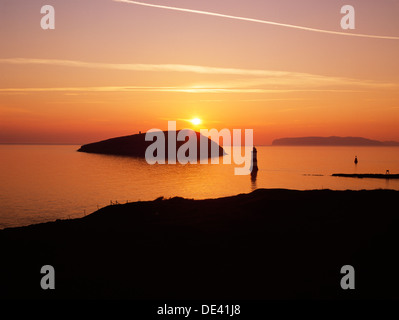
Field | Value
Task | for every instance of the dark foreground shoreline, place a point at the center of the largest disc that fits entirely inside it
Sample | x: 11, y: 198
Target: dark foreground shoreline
x: 269, y: 244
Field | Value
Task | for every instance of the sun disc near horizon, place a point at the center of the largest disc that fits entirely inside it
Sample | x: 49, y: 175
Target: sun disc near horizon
x: 196, y: 121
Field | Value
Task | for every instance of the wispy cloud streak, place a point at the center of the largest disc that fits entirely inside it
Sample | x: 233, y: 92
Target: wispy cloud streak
x: 163, y: 89
x: 253, y: 78
x: 146, y: 67
x: 258, y: 20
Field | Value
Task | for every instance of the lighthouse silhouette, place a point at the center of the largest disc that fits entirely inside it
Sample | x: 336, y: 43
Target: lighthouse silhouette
x: 254, y: 165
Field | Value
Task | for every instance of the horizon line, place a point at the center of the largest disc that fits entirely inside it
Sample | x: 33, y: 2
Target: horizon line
x: 260, y: 145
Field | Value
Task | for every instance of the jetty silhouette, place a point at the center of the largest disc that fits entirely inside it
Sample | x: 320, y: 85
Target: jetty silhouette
x: 387, y: 175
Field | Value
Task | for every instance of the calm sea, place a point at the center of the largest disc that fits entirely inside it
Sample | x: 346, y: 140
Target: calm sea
x: 41, y: 183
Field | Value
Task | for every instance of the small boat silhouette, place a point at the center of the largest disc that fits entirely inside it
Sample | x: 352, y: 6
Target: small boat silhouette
x: 356, y: 160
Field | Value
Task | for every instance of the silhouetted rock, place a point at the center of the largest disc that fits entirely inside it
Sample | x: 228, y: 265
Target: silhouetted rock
x: 331, y: 141
x: 136, y: 145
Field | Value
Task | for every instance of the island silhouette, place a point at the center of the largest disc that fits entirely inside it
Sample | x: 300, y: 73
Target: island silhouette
x: 136, y: 145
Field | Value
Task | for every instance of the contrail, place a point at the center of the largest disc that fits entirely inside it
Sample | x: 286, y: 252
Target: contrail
x: 258, y: 21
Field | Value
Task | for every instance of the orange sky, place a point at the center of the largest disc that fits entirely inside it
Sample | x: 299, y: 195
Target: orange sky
x: 111, y: 68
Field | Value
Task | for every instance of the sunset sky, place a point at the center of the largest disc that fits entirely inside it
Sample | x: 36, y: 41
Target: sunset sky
x: 113, y: 68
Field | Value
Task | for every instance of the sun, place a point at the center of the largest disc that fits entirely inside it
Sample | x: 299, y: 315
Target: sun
x: 196, y: 121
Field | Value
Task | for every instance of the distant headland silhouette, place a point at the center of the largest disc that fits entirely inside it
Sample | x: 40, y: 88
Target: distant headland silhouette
x: 135, y: 145
x: 332, y: 141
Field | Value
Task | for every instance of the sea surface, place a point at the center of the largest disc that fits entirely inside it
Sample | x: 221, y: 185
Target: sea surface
x: 40, y: 183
